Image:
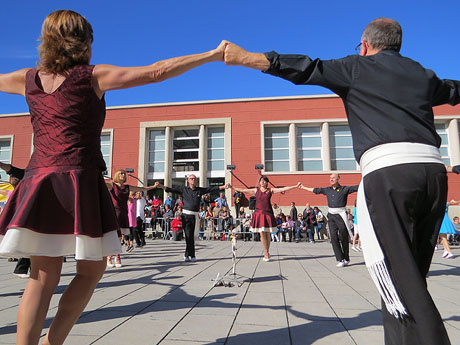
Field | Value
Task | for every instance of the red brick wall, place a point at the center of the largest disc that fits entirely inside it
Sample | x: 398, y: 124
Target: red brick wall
x: 246, y: 141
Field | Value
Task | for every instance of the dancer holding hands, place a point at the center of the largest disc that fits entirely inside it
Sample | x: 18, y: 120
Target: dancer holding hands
x: 263, y: 220
x: 62, y: 206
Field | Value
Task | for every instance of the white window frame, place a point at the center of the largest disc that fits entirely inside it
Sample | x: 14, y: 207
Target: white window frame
x: 263, y: 137
x: 156, y: 174
x: 9, y: 138
x: 173, y: 150
x: 109, y: 131
x: 320, y: 148
x: 215, y: 173
x: 343, y: 147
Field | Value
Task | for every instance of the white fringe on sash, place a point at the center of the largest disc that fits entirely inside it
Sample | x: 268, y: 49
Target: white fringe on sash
x: 373, y: 159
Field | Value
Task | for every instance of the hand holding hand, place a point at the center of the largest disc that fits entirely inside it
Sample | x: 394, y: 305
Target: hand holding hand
x: 234, y: 55
x: 219, y: 51
x: 156, y: 184
x: 448, y: 169
x: 228, y: 185
x: 300, y: 185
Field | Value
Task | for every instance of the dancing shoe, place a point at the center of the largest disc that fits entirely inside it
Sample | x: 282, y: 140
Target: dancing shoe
x: 110, y: 264
x: 187, y: 259
x: 193, y: 259
x: 450, y: 256
x: 22, y: 275
x: 355, y: 249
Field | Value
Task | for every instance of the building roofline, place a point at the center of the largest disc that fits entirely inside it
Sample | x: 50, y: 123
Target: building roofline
x: 168, y: 104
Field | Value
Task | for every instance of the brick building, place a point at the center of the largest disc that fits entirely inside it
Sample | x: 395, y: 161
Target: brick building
x: 299, y: 138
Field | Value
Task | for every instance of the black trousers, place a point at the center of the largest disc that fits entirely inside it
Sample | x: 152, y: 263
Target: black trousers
x: 188, y: 224
x: 339, y: 237
x: 139, y: 234
x: 406, y: 204
x: 23, y: 266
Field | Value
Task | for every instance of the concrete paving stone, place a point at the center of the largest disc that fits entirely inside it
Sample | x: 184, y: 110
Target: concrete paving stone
x: 361, y: 337
x: 320, y: 332
x: 301, y: 311
x: 99, y: 322
x: 265, y: 315
x: 300, y: 293
x: 365, y: 320
x: 254, y: 297
x: 80, y: 339
x: 189, y: 342
x: 10, y: 337
x: 137, y: 331
x: 188, y: 295
x: 202, y: 328
x: 257, y: 334
x: 166, y: 310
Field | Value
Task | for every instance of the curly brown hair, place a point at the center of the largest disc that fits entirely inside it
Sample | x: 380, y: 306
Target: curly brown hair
x: 65, y: 42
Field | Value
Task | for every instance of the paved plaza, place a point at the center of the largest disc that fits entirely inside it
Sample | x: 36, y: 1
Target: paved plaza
x: 300, y: 297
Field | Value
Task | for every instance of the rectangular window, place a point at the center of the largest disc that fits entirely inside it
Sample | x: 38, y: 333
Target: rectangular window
x: 156, y: 151
x: 216, y: 149
x: 106, y: 149
x: 444, y: 149
x: 186, y: 147
x: 309, y: 157
x: 341, y: 148
x: 5, y: 155
x: 276, y: 143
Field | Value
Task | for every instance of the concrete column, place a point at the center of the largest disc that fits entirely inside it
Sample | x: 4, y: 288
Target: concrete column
x: 292, y: 147
x: 203, y: 156
x: 168, y: 157
x: 325, y: 150
x: 454, y: 142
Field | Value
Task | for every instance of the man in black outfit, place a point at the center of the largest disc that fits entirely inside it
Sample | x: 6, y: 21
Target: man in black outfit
x: 191, y: 195
x: 337, y: 197
x: 388, y: 99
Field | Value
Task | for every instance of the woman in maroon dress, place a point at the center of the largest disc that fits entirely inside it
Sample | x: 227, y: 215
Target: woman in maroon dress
x: 263, y: 221
x: 119, y: 192
x: 62, y: 206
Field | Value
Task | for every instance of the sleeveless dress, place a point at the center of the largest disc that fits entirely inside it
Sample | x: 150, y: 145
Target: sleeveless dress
x: 447, y: 227
x: 263, y: 219
x: 120, y: 198
x: 62, y: 205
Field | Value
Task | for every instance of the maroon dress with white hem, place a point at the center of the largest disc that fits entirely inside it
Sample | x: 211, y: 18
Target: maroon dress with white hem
x: 62, y: 205
x: 263, y: 219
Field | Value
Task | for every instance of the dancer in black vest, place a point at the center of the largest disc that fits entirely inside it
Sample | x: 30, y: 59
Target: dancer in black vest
x: 388, y: 99
x: 339, y: 228
x: 191, y: 197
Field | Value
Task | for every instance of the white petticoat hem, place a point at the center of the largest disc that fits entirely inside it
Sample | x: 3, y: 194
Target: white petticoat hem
x: 23, y: 243
x: 264, y: 229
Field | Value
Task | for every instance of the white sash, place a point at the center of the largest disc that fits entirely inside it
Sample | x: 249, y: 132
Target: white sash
x: 379, y: 157
x: 342, y: 211
x: 197, y: 220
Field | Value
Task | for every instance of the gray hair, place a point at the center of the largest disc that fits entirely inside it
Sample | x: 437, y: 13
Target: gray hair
x: 383, y: 33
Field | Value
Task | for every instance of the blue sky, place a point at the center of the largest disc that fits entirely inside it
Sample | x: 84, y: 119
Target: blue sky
x: 142, y: 32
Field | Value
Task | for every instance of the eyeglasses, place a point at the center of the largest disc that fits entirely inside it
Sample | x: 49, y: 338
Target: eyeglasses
x: 358, y: 48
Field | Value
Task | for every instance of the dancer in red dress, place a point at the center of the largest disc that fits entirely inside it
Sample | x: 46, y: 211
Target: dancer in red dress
x: 263, y: 221
x: 119, y: 192
x: 62, y: 206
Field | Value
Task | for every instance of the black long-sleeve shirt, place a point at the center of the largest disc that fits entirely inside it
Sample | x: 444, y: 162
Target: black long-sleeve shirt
x: 456, y: 169
x: 191, y: 197
x: 336, y: 197
x: 387, y: 97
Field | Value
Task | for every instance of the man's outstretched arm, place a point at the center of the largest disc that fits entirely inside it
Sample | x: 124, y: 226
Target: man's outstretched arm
x: 237, y: 56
